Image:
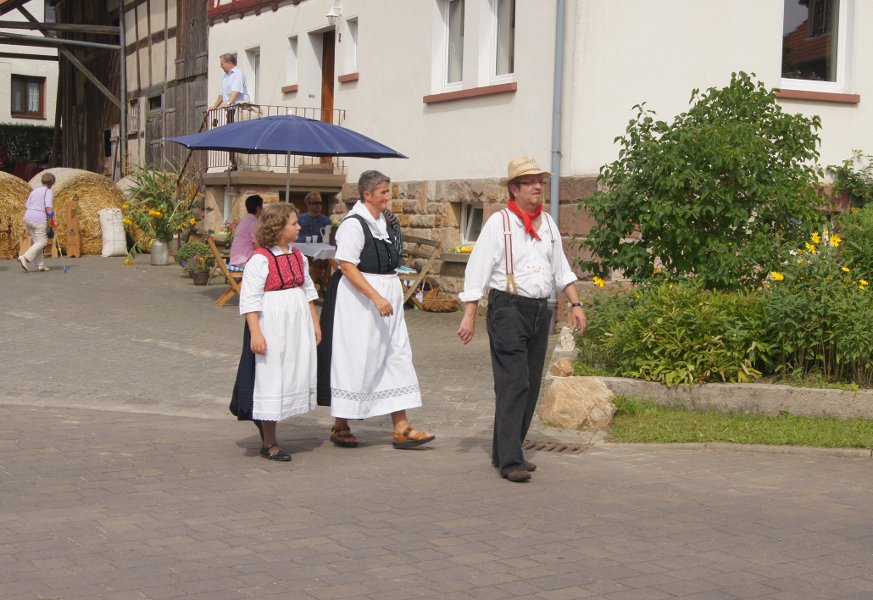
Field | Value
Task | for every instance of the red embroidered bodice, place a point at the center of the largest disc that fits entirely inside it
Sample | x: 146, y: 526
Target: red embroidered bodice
x: 286, y: 270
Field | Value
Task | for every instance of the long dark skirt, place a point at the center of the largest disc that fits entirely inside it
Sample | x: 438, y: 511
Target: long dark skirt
x: 242, y: 399
x: 325, y: 348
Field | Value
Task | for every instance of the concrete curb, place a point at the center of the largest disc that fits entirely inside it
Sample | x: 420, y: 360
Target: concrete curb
x: 761, y: 448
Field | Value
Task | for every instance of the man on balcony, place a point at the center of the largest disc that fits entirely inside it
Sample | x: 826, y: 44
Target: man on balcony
x: 233, y: 86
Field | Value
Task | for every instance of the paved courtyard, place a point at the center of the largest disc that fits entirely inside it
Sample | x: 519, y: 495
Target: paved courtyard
x: 123, y: 476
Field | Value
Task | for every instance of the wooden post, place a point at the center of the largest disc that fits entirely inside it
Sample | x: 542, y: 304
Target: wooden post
x: 71, y: 216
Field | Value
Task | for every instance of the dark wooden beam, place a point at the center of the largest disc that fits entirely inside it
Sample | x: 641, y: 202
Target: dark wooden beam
x: 94, y: 29
x: 29, y: 56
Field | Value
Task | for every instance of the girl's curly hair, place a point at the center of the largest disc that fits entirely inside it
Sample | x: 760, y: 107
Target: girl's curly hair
x: 273, y: 220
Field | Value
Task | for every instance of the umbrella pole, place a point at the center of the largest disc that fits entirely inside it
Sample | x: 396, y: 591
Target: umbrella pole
x: 287, y: 177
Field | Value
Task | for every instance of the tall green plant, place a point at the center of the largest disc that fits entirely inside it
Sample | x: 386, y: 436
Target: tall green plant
x: 855, y: 176
x: 719, y: 193
x: 158, y: 207
x: 856, y: 228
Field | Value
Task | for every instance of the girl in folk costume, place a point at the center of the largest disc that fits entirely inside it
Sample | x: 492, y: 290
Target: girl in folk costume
x: 277, y: 371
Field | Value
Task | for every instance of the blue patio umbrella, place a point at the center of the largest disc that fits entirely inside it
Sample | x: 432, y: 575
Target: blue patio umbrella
x: 287, y: 134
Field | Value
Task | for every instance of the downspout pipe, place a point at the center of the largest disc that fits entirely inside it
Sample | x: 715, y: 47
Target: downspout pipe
x: 122, y: 92
x: 557, y: 108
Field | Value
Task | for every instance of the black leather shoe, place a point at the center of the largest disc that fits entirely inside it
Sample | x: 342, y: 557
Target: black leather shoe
x: 517, y: 475
x: 277, y: 454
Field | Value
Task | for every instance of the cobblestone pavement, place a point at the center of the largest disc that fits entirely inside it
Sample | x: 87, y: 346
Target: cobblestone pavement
x: 123, y: 477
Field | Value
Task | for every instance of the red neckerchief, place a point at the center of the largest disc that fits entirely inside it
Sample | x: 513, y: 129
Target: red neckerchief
x: 527, y: 218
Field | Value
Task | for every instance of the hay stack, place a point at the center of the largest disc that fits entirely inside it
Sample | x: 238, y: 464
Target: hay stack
x: 95, y: 193
x: 13, y: 195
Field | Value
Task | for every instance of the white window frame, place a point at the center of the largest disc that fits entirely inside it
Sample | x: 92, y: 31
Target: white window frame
x: 844, y: 48
x: 440, y: 49
x: 292, y: 61
x: 468, y: 214
x: 253, y: 57
x: 490, y: 10
x: 350, y: 46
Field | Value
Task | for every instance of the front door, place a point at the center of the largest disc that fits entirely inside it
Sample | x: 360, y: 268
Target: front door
x: 328, y: 51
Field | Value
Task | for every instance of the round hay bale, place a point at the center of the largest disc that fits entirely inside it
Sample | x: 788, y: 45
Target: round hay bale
x: 13, y: 195
x: 95, y: 192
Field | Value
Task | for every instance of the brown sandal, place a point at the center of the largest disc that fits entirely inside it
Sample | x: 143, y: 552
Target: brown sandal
x: 411, y: 438
x: 343, y: 437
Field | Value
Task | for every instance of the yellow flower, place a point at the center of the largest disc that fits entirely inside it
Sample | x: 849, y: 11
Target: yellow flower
x: 825, y: 231
x: 599, y: 282
x: 835, y: 241
x: 125, y: 206
x: 127, y: 261
x: 810, y: 248
x: 155, y: 213
x: 845, y: 269
x: 777, y: 276
x: 863, y: 282
x: 815, y: 237
x: 192, y: 220
x: 127, y: 221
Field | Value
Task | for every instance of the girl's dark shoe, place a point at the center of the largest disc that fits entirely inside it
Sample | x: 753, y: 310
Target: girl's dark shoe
x: 275, y: 453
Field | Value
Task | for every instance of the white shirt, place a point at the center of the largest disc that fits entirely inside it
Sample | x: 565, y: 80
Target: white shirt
x: 234, y: 81
x: 252, y: 292
x: 38, y: 201
x: 539, y: 265
x: 350, y: 235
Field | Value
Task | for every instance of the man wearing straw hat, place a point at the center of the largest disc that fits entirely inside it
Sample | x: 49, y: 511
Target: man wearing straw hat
x: 520, y: 257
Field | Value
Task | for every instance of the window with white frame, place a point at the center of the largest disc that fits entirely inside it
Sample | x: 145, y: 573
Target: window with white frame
x: 471, y: 222
x: 815, y: 43
x: 503, y: 37
x: 454, y: 41
x: 350, y: 44
x: 291, y: 62
x: 254, y: 58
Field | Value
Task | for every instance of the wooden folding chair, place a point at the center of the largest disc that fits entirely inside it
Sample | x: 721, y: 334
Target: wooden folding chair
x: 417, y: 249
x: 233, y: 278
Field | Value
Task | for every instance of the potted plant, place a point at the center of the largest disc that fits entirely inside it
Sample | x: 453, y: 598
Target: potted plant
x: 229, y: 230
x: 158, y: 208
x: 190, y: 249
x: 198, y: 267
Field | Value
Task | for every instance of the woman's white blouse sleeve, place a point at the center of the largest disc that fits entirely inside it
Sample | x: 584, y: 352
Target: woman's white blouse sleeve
x: 349, y: 241
x: 251, y: 294
x: 308, y: 285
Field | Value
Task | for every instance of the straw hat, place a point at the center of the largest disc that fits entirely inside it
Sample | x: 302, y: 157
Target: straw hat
x: 523, y: 165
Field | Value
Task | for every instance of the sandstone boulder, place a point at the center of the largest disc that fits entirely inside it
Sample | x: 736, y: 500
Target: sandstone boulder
x: 577, y: 403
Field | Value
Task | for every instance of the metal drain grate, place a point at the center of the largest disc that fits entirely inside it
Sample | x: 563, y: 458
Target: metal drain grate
x: 555, y: 447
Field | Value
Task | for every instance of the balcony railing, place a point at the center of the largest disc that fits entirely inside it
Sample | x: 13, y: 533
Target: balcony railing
x: 218, y: 161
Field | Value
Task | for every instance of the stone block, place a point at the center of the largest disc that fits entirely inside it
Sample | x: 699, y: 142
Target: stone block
x: 577, y: 403
x: 563, y: 367
x: 574, y: 221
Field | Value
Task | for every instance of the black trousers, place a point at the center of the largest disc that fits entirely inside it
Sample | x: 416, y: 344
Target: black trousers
x: 518, y: 329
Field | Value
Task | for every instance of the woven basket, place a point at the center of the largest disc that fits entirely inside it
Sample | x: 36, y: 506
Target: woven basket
x: 94, y: 192
x: 436, y: 301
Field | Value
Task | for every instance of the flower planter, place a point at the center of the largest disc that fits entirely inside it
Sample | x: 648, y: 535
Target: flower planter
x: 200, y: 277
x: 160, y: 253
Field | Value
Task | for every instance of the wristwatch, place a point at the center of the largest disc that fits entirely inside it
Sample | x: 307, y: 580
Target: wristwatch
x: 575, y: 304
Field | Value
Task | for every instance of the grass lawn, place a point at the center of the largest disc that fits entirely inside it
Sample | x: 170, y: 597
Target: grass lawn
x: 637, y: 421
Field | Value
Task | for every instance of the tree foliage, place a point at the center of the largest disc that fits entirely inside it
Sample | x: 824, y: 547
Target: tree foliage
x: 722, y: 192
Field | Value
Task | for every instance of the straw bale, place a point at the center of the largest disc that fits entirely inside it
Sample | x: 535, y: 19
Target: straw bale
x: 95, y: 193
x: 13, y: 195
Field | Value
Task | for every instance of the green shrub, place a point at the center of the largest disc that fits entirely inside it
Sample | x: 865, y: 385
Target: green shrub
x: 192, y: 249
x: 855, y: 176
x: 720, y: 193
x: 818, y: 310
x: 26, y: 142
x: 677, y: 333
x: 856, y: 229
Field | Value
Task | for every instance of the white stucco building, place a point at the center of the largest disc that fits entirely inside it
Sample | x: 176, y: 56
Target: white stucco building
x: 28, y: 86
x: 462, y: 86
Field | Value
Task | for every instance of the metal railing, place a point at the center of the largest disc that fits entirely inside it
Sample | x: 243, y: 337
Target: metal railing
x: 279, y: 163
